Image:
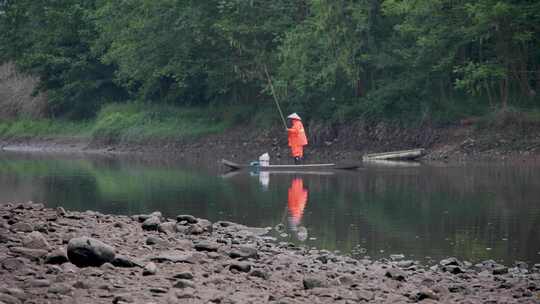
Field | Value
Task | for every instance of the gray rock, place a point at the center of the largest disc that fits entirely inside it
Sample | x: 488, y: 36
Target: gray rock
x: 60, y: 288
x: 167, y: 227
x: 265, y: 275
x: 32, y: 254
x: 206, y: 225
x: 188, y: 218
x: 69, y: 268
x: 405, y: 264
x: 186, y: 275
x: 60, y: 211
x: 123, y: 298
x: 244, y: 252
x: 81, y: 285
x: 456, y: 288
x: 85, y: 251
x: 240, y: 266
x: 322, y: 258
x: 176, y: 257
x: 426, y: 294
x: 107, y: 266
x: 15, y: 292
x: 151, y: 223
x: 500, y: 270
x: 125, y: 262
x: 8, y: 299
x: 22, y: 227
x: 35, y: 240
x: 181, y: 228
x: 152, y: 240
x: 452, y: 269
x: 6, y: 237
x: 39, y: 283
x: 143, y: 217
x: 396, y: 274
x: 314, y: 282
x: 53, y: 269
x: 206, y: 246
x: 58, y: 256
x: 183, y: 284
x: 449, y: 261
x: 194, y: 229
x: 12, y: 264
x: 150, y: 269
x: 364, y: 295
x: 158, y: 290
x: 346, y: 280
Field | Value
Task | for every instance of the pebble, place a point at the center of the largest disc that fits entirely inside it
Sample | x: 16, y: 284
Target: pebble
x: 151, y: 223
x: 150, y: 269
x: 188, y: 218
x: 39, y: 283
x: 58, y: 256
x: 240, y: 266
x: 167, y: 227
x: 22, y: 227
x: 35, y: 240
x: 206, y: 246
x: 313, y: 282
x: 183, y: 284
x: 8, y: 299
x: 233, y: 263
x: 60, y: 288
x: 244, y: 252
x: 184, y: 275
x: 396, y: 274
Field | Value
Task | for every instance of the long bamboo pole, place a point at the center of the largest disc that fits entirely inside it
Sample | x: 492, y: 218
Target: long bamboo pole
x: 275, y: 97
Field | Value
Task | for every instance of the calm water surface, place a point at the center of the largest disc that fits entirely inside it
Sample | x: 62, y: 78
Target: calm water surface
x: 425, y: 212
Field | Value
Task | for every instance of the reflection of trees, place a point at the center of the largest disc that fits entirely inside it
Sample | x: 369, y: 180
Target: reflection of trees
x: 452, y: 211
x: 471, y: 207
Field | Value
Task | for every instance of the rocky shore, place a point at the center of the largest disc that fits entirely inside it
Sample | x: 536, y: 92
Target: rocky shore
x: 54, y: 256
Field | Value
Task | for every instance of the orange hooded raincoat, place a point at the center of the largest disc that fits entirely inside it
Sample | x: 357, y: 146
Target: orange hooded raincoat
x: 297, y: 138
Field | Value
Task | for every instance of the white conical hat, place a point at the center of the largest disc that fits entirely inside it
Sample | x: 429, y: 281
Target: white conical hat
x: 294, y: 116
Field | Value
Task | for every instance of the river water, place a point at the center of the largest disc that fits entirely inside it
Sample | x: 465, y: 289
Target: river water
x: 423, y: 211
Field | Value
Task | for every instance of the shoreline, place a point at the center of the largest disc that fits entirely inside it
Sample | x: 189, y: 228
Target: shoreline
x: 446, y: 145
x: 150, y: 259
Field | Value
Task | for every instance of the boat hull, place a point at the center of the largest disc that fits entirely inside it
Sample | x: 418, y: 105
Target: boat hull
x: 304, y: 167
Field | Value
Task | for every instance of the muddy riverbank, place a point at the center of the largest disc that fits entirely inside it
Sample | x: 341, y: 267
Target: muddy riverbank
x: 453, y: 143
x: 54, y: 256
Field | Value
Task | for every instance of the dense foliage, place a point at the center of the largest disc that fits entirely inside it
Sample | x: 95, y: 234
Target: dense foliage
x: 340, y: 60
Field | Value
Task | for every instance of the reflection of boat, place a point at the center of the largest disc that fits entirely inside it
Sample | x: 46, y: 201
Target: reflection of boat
x: 396, y: 155
x: 392, y: 163
x: 290, y: 168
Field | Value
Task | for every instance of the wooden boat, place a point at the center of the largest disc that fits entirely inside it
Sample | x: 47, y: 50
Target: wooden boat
x: 396, y: 155
x: 291, y: 168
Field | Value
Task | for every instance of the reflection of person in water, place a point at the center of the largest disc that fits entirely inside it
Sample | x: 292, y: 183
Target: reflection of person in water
x: 297, y: 201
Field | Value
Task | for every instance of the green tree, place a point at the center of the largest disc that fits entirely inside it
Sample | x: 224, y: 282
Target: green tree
x: 52, y: 40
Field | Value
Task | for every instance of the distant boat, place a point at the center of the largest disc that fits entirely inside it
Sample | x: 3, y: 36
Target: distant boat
x: 396, y: 155
x: 292, y: 168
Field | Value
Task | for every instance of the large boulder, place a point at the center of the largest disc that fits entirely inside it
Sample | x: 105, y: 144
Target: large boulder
x: 85, y: 251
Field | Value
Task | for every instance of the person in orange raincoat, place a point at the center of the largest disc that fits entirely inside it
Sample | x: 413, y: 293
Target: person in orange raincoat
x: 297, y: 138
x: 297, y: 200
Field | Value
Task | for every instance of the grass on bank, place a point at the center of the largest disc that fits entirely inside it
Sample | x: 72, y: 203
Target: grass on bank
x: 133, y: 123
x: 43, y: 128
x: 140, y: 123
